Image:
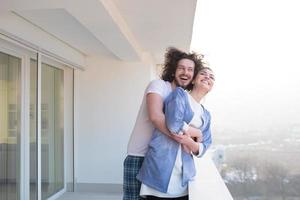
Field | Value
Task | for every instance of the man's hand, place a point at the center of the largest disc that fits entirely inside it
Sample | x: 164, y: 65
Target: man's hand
x: 194, y: 133
x: 177, y: 138
x: 186, y: 149
x: 188, y: 144
x: 182, y: 139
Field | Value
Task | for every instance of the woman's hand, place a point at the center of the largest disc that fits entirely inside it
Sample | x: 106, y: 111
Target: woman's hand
x: 187, y: 142
x: 194, y: 133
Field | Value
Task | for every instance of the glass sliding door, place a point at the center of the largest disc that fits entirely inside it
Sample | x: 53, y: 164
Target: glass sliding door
x: 10, y: 126
x: 36, y: 124
x: 52, y: 130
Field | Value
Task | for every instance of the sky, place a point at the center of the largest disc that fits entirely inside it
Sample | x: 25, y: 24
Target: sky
x: 253, y: 46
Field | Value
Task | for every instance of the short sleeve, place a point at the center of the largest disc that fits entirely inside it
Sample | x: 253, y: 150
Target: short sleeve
x: 156, y: 86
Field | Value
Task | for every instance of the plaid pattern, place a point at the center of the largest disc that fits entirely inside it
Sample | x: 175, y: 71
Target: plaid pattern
x: 159, y: 198
x: 131, y: 186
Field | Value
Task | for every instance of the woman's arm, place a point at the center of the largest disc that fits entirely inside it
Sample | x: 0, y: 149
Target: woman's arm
x: 189, y: 144
x: 207, y: 140
x: 196, y: 147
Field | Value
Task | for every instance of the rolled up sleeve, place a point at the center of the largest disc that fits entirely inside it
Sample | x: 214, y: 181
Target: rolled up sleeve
x: 207, y: 140
x: 174, y: 111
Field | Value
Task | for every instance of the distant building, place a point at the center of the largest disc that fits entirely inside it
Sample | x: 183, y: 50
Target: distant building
x: 218, y: 155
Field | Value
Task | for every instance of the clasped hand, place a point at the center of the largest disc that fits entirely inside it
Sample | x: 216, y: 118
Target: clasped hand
x: 189, y: 140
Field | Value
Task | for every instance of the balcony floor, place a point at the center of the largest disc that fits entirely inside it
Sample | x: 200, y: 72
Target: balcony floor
x: 89, y: 196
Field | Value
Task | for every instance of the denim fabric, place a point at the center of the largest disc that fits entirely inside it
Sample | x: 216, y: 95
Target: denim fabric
x: 159, y: 161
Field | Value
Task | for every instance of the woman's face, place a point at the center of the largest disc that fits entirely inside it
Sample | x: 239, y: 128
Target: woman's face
x: 205, y: 79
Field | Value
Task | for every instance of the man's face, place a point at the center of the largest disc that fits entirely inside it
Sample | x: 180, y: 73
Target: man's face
x: 184, y: 72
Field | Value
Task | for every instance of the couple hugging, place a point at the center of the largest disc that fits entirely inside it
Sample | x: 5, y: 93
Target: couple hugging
x: 172, y: 127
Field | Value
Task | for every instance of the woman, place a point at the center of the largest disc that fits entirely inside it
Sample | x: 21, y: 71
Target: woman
x: 167, y: 167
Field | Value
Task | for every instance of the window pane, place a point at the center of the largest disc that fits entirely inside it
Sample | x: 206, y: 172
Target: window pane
x: 52, y: 130
x: 10, y: 91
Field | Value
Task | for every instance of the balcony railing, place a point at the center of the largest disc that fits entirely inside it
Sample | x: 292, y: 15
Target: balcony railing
x: 208, y: 183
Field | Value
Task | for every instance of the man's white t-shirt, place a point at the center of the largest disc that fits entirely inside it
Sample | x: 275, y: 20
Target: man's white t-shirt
x: 143, y: 128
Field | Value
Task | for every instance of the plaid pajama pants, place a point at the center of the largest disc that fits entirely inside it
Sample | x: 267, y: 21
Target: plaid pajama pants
x: 131, y: 186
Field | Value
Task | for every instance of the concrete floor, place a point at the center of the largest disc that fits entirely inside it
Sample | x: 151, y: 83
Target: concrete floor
x: 90, y: 196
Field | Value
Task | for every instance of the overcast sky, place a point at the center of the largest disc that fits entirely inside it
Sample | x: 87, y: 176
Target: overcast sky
x: 254, y: 48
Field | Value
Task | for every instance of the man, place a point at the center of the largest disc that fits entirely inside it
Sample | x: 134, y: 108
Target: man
x: 179, y: 70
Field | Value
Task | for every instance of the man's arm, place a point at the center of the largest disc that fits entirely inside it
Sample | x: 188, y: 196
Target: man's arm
x: 189, y: 145
x: 155, y: 112
x: 194, y: 133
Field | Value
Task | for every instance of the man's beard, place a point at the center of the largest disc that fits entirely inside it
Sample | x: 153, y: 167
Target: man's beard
x: 178, y: 85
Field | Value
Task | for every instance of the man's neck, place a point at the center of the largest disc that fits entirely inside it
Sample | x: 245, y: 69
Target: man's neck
x: 173, y: 85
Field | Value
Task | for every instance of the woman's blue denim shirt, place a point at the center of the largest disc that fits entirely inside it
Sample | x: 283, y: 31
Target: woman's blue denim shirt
x: 159, y: 161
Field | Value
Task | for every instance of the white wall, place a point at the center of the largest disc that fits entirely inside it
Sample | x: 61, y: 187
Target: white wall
x: 107, y: 98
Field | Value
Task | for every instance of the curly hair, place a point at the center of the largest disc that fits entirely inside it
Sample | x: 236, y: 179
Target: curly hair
x: 172, y: 57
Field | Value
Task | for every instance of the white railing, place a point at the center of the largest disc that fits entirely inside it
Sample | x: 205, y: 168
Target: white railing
x: 208, y: 183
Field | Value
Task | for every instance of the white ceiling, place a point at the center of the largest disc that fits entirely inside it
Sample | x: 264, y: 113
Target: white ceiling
x: 126, y: 29
x: 158, y: 24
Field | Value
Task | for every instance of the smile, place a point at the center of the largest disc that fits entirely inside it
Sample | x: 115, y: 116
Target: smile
x: 184, y: 78
x: 205, y: 81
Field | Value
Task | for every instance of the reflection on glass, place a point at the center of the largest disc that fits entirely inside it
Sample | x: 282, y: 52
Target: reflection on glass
x: 10, y: 91
x: 52, y: 130
x: 33, y: 128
